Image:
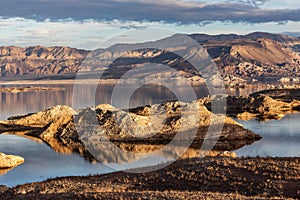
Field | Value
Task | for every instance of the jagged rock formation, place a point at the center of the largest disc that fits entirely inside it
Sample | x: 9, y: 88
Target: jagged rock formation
x: 257, y: 60
x: 257, y: 56
x: 254, y: 57
x: 10, y: 161
x: 258, y: 106
x: 46, y: 125
x: 96, y: 132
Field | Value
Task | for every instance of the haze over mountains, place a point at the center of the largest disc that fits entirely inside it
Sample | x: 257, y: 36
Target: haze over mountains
x: 254, y: 57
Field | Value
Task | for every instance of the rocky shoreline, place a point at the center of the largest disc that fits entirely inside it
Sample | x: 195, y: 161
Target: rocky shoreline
x: 207, y: 178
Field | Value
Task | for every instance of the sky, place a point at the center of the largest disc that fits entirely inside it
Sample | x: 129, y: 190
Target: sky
x: 91, y: 24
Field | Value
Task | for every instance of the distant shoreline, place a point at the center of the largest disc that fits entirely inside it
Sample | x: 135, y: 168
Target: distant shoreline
x: 57, y: 85
x: 51, y: 81
x: 28, y: 89
x: 57, y: 82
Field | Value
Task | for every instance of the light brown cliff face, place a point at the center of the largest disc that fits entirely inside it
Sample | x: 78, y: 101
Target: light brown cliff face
x: 259, y: 59
x: 39, y: 61
x: 261, y: 51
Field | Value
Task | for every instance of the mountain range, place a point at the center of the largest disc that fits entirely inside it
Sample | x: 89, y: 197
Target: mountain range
x: 257, y: 56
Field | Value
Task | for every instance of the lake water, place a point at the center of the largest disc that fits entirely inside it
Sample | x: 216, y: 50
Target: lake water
x: 41, y: 162
x: 27, y: 102
x: 280, y: 138
x: 33, y: 101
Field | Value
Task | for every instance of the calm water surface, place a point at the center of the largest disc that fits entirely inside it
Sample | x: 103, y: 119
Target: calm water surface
x: 33, y: 101
x: 41, y: 162
x: 280, y: 138
x: 27, y: 102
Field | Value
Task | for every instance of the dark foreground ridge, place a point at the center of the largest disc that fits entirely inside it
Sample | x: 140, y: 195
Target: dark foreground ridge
x: 213, y: 178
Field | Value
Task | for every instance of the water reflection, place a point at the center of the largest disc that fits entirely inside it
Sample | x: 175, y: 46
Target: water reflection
x: 34, y: 101
x: 27, y: 102
x: 4, y: 171
x: 280, y: 137
x: 42, y: 163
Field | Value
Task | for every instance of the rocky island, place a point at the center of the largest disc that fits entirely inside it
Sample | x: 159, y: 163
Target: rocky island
x: 67, y: 130
x: 96, y: 128
x: 83, y: 131
x: 7, y: 162
x: 261, y: 105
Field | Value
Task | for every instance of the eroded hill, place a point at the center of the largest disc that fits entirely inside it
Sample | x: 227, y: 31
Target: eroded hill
x: 254, y: 57
x: 39, y: 61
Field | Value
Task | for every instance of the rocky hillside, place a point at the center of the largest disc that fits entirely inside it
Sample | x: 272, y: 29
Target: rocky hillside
x: 253, y: 57
x: 39, y: 61
x: 259, y: 59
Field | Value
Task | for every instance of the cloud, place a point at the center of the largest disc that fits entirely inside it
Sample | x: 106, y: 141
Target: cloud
x: 255, y: 3
x: 130, y: 27
x: 167, y: 11
x: 80, y: 34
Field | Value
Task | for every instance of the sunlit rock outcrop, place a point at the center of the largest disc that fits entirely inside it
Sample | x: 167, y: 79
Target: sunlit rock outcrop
x: 105, y: 132
x: 257, y: 106
x: 9, y: 161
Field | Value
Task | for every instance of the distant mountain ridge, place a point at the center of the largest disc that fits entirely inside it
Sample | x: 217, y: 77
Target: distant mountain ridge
x: 39, y: 60
x: 256, y: 56
x: 285, y: 39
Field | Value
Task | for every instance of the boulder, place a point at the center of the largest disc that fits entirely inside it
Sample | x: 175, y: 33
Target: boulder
x: 10, y: 161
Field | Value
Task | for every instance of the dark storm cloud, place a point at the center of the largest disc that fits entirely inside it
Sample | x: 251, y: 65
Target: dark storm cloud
x: 167, y: 11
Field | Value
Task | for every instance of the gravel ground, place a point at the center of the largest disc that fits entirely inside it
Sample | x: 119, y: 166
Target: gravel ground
x: 208, y: 178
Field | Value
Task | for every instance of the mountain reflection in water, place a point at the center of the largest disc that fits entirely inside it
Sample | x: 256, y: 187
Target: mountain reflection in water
x: 26, y: 102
